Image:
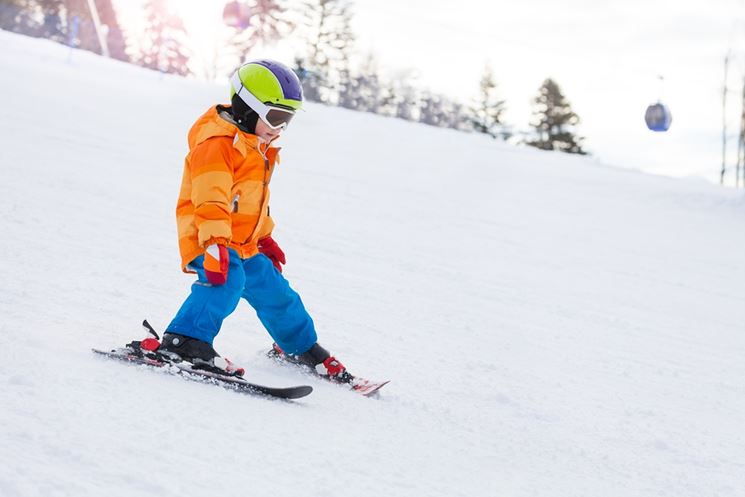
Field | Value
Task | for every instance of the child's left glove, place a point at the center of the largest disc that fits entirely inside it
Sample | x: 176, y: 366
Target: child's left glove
x: 216, y: 262
x: 269, y: 248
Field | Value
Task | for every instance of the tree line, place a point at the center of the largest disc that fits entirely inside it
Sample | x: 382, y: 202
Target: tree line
x: 326, y: 62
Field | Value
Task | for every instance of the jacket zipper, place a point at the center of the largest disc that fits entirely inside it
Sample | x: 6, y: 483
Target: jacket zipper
x: 263, y: 194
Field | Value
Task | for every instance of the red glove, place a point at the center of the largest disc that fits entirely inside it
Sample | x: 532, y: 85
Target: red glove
x: 216, y: 261
x: 269, y: 248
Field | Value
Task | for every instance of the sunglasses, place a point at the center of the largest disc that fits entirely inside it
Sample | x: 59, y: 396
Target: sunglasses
x: 274, y: 117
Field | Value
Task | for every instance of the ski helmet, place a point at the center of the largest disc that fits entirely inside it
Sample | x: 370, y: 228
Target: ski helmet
x: 267, y: 89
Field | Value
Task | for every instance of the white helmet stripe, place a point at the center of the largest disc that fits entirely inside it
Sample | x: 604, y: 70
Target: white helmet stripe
x: 254, y: 103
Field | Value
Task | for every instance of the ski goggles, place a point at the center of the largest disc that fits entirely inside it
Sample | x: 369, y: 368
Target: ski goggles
x: 274, y: 117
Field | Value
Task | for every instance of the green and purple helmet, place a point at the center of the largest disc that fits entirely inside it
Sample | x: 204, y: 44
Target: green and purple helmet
x: 269, y: 89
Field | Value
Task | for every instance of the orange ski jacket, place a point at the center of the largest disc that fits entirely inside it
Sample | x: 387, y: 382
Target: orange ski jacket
x: 224, y: 195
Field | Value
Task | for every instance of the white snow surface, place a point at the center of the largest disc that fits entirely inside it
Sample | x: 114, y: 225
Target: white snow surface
x: 550, y: 326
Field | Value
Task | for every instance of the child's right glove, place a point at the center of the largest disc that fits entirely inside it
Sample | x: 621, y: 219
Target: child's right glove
x: 216, y: 261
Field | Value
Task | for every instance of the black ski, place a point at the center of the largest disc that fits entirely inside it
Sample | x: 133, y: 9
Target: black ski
x: 187, y: 371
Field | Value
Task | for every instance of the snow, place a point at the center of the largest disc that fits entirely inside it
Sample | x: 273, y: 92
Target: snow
x: 551, y: 326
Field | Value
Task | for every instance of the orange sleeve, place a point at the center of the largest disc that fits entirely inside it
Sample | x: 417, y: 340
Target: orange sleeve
x: 212, y: 182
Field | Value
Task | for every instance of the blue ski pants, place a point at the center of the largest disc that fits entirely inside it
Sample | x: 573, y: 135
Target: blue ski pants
x: 278, y: 306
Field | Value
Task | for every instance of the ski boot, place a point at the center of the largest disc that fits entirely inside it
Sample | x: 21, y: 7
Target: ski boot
x: 176, y: 348
x: 197, y: 352
x: 318, y: 360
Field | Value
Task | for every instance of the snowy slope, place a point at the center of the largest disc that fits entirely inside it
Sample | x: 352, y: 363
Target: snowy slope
x: 551, y: 326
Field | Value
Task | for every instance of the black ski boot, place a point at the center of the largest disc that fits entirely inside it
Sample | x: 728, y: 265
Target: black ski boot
x: 187, y: 348
x: 198, y: 352
x: 319, y: 361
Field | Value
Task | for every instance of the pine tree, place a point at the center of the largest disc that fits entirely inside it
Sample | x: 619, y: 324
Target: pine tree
x: 555, y: 121
x: 431, y: 109
x: 38, y: 18
x: 114, y: 36
x: 54, y: 20
x: 455, y: 116
x: 329, y: 41
x: 488, y: 109
x: 53, y: 25
x: 268, y: 22
x: 86, y: 38
x: 386, y: 101
x: 11, y: 12
x: 27, y: 17
x: 348, y: 91
x: 367, y: 87
x: 406, y: 101
x: 360, y: 88
x: 163, y: 41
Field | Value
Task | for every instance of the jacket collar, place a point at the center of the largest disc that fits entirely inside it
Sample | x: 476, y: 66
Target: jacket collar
x: 214, y: 123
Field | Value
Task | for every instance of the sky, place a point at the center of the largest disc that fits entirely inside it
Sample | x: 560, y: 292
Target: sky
x: 607, y: 58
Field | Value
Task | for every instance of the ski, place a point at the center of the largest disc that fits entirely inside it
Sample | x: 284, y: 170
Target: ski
x: 362, y: 386
x: 367, y: 388
x: 187, y: 371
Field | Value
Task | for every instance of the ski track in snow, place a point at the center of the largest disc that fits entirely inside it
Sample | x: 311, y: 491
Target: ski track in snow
x: 551, y: 326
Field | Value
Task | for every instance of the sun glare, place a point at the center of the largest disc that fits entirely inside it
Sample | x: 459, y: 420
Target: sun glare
x: 202, y: 20
x: 201, y: 17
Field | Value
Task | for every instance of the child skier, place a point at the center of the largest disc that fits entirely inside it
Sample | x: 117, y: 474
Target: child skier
x: 225, y: 231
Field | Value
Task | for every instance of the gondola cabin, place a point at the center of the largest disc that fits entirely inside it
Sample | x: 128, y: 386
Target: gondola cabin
x: 658, y: 117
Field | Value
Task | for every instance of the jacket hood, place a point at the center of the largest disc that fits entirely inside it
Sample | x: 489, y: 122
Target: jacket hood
x: 211, y: 125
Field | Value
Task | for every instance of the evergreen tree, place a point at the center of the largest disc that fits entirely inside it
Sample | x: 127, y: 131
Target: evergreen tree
x: 455, y: 116
x: 20, y: 16
x: 39, y: 18
x: 348, y: 91
x: 55, y: 20
x: 268, y: 22
x: 53, y: 24
x: 386, y: 101
x: 369, y: 87
x: 11, y: 12
x: 488, y: 109
x: 303, y: 73
x: 311, y: 80
x: 360, y: 91
x: 87, y: 39
x: 328, y: 31
x: 431, y: 109
x: 114, y: 35
x: 555, y: 121
x: 438, y: 110
x: 406, y: 101
x: 162, y: 44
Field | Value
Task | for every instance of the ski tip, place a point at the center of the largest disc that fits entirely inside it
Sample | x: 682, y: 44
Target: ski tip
x: 369, y: 388
x: 300, y: 392
x: 286, y: 393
